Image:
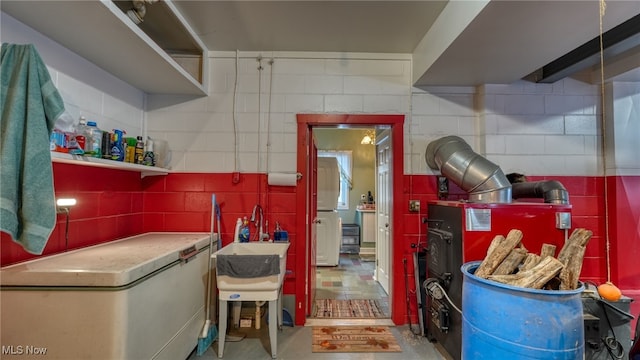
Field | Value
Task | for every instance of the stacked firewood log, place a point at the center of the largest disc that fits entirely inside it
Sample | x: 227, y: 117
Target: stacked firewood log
x: 509, y: 262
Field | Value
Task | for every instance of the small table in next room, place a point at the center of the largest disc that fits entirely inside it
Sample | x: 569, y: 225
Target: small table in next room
x: 367, y: 220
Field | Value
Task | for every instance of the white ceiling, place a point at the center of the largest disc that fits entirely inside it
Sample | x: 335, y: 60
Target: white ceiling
x: 337, y: 26
x: 453, y: 43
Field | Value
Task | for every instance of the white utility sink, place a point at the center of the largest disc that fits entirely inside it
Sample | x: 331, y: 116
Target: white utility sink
x: 258, y: 288
x: 254, y: 288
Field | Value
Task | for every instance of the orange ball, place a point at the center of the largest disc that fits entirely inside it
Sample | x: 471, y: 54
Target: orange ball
x: 609, y: 292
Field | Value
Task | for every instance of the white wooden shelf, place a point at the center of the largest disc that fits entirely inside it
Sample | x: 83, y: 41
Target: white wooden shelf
x: 144, y: 170
x: 100, y: 32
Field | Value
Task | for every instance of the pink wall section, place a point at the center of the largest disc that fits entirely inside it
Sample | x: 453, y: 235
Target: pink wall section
x: 114, y: 204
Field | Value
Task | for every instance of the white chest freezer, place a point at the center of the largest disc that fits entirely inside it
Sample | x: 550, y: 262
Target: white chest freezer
x: 140, y: 297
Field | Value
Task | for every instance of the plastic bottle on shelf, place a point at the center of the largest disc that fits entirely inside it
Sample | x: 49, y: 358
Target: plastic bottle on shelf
x: 149, y: 158
x: 117, y: 145
x: 82, y: 134
x: 139, y: 150
x: 93, y: 140
x: 236, y: 234
x: 130, y: 149
x: 56, y: 140
x: 244, y: 231
x: 106, y: 145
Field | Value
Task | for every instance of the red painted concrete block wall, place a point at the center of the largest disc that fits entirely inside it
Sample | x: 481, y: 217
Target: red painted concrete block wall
x: 113, y: 204
x: 109, y: 206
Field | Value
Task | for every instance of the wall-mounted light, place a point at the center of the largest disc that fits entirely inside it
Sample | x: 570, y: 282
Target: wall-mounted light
x: 369, y: 138
x: 62, y: 207
x: 63, y: 204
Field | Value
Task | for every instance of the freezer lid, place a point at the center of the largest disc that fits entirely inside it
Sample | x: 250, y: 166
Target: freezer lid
x: 111, y: 264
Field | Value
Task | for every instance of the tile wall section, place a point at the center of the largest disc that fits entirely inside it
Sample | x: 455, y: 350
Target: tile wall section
x: 623, y: 179
x: 86, y: 89
x: 109, y: 201
x: 523, y: 127
x: 113, y: 204
x: 542, y: 128
x: 551, y: 126
x: 109, y: 207
x: 182, y: 202
x: 200, y: 131
x: 587, y: 210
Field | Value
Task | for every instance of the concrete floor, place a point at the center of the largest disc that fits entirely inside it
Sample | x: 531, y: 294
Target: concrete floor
x: 295, y: 343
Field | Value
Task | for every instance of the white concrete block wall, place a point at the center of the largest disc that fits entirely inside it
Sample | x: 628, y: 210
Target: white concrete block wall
x: 542, y: 129
x: 438, y: 112
x: 531, y: 128
x: 200, y: 131
x: 547, y: 129
x: 623, y: 130
x: 85, y: 88
x: 536, y: 129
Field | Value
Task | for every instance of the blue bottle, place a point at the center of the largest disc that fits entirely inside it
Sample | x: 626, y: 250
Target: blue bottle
x: 244, y: 231
x: 117, y: 145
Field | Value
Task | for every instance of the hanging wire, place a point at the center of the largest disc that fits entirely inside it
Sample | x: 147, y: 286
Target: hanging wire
x: 260, y: 68
x: 270, y: 62
x: 233, y: 114
x: 269, y: 113
x: 603, y: 7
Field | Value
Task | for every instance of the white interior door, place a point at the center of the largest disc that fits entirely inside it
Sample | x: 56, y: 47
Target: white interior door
x: 383, y: 208
x: 312, y: 211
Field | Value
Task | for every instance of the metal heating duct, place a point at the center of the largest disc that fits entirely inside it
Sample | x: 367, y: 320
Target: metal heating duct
x: 482, y: 179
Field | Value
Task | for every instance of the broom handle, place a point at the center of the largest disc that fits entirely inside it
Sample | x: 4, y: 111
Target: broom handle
x: 213, y: 216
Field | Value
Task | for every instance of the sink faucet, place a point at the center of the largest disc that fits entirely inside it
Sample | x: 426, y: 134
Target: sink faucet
x: 257, y: 210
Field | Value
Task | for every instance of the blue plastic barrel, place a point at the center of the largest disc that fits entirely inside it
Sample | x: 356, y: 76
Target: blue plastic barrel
x: 500, y: 321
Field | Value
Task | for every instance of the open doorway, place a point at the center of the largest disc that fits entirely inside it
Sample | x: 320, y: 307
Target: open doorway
x: 306, y: 195
x: 346, y: 255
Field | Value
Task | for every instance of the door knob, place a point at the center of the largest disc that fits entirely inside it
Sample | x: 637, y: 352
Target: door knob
x: 317, y: 221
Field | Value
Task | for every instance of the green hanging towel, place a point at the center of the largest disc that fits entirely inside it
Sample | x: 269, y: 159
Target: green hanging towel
x: 30, y: 106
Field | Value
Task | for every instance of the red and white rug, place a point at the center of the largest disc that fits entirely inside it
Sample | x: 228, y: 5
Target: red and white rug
x: 340, y: 309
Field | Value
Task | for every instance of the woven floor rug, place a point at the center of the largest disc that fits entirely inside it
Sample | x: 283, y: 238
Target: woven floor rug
x: 339, y: 339
x: 340, y: 309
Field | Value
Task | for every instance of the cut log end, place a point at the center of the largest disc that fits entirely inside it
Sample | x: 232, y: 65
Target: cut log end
x: 508, y: 255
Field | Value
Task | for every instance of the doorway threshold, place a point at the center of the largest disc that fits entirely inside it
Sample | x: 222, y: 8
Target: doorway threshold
x: 349, y: 322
